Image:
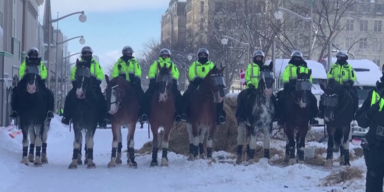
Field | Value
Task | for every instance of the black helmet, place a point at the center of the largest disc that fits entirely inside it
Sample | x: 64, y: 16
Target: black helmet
x: 33, y: 52
x: 341, y: 54
x: 297, y: 54
x: 258, y: 53
x: 127, y: 50
x: 86, y: 49
x: 203, y: 50
x: 164, y: 51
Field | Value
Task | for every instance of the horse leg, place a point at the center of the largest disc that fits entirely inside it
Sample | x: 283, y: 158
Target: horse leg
x: 76, y: 147
x: 267, y: 141
x: 345, y: 145
x: 32, y: 137
x: 301, y: 143
x: 89, y: 143
x: 155, y: 144
x: 119, y: 147
x: 79, y: 161
x: 241, y: 134
x: 38, y: 143
x: 331, y: 138
x: 290, y: 133
x: 131, y: 145
x: 252, y: 147
x: 25, y: 131
x: 192, y: 142
x: 44, y: 158
x: 115, y: 135
x: 165, y: 145
x: 202, y: 132
x: 211, y: 134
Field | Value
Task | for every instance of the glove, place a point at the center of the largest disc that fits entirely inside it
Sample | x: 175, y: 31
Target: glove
x: 373, y: 110
x: 197, y: 81
x: 251, y: 86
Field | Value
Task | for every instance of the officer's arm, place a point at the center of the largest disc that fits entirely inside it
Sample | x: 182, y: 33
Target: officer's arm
x: 330, y: 73
x: 99, y: 73
x: 248, y: 73
x: 361, y: 115
x: 116, y: 70
x: 310, y: 78
x: 352, y: 74
x: 285, y: 77
x: 137, y: 69
x: 73, y: 73
x: 175, y: 72
x: 22, y: 68
x: 152, y: 70
x: 191, y: 72
x: 43, y: 72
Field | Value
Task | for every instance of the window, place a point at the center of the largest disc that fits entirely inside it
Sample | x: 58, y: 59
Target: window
x: 363, y: 25
x: 218, y: 6
x: 377, y: 26
x: 365, y: 7
x: 348, y: 42
x: 376, y: 59
x: 201, y: 6
x: 379, y: 8
x: 363, y: 43
x: 377, y: 44
x: 349, y: 25
x: 202, y: 24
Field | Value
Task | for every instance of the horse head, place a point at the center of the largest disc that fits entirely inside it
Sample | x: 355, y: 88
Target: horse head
x: 32, y: 73
x: 303, y: 86
x: 266, y: 80
x: 330, y: 98
x: 214, y: 84
x: 115, y: 93
x: 164, y: 81
x: 83, y: 78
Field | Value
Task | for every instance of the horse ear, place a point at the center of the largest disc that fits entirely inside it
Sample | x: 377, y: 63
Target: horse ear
x: 77, y: 61
x: 107, y: 79
x: 170, y: 67
x: 270, y: 66
x: 310, y: 72
x: 221, y: 70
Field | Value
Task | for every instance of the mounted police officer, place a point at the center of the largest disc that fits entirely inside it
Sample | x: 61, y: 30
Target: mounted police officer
x: 252, y: 77
x: 33, y: 57
x: 289, y: 81
x: 163, y: 60
x: 371, y: 115
x: 343, y: 73
x: 196, y: 73
x: 97, y: 76
x: 128, y: 67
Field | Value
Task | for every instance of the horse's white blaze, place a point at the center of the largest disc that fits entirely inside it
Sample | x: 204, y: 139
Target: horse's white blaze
x: 163, y: 96
x: 113, y: 109
x: 241, y: 134
x: 79, y: 92
x: 302, y: 104
x: 268, y: 92
x: 31, y: 88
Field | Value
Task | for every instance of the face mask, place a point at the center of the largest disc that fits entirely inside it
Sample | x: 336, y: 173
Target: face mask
x: 203, y: 60
x: 87, y: 58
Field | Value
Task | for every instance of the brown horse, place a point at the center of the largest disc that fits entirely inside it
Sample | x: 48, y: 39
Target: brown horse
x: 123, y: 105
x: 162, y: 114
x: 202, y: 112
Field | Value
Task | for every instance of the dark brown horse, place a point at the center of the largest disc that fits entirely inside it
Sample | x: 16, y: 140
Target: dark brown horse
x: 162, y: 114
x: 297, y: 111
x: 202, y: 113
x: 123, y: 105
x: 338, y: 115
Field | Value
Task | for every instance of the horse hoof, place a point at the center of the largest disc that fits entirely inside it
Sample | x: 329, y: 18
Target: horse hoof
x: 191, y: 157
x: 111, y: 165
x: 44, y: 159
x: 85, y: 161
x: 292, y: 161
x: 164, y: 162
x: 79, y: 162
x: 31, y: 158
x: 301, y: 162
x: 72, y: 166
x: 286, y: 159
x: 119, y: 162
x: 201, y: 156
x: 25, y: 161
x: 91, y: 166
x: 133, y: 164
x: 211, y: 160
x: 38, y: 164
x: 328, y: 163
x: 250, y: 162
x: 154, y: 164
x: 239, y: 160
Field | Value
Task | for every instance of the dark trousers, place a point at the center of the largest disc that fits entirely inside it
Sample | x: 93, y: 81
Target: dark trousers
x: 375, y: 165
x: 68, y: 105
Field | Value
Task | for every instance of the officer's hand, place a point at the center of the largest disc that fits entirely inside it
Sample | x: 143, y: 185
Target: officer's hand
x: 373, y: 110
x: 251, y: 86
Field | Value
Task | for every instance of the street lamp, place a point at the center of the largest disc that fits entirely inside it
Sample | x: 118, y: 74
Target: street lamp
x: 82, y: 18
x: 189, y: 57
x: 279, y: 15
x: 224, y: 41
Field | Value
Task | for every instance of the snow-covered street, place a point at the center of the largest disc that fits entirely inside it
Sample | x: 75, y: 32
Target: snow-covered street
x: 180, y: 176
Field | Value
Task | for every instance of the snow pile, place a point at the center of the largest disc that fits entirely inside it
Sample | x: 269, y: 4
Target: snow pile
x: 181, y: 175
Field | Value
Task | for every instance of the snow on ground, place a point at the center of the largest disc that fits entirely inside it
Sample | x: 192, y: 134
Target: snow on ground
x: 180, y: 176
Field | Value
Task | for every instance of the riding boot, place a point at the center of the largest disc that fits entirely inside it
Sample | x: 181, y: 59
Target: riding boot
x: 15, y: 94
x: 314, y: 110
x: 185, y: 100
x: 68, y: 107
x: 221, y: 115
x: 281, y: 104
x: 241, y: 100
x: 178, y: 103
x: 321, y: 109
x: 355, y: 99
x: 102, y: 110
x: 51, y: 102
x: 146, y: 104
